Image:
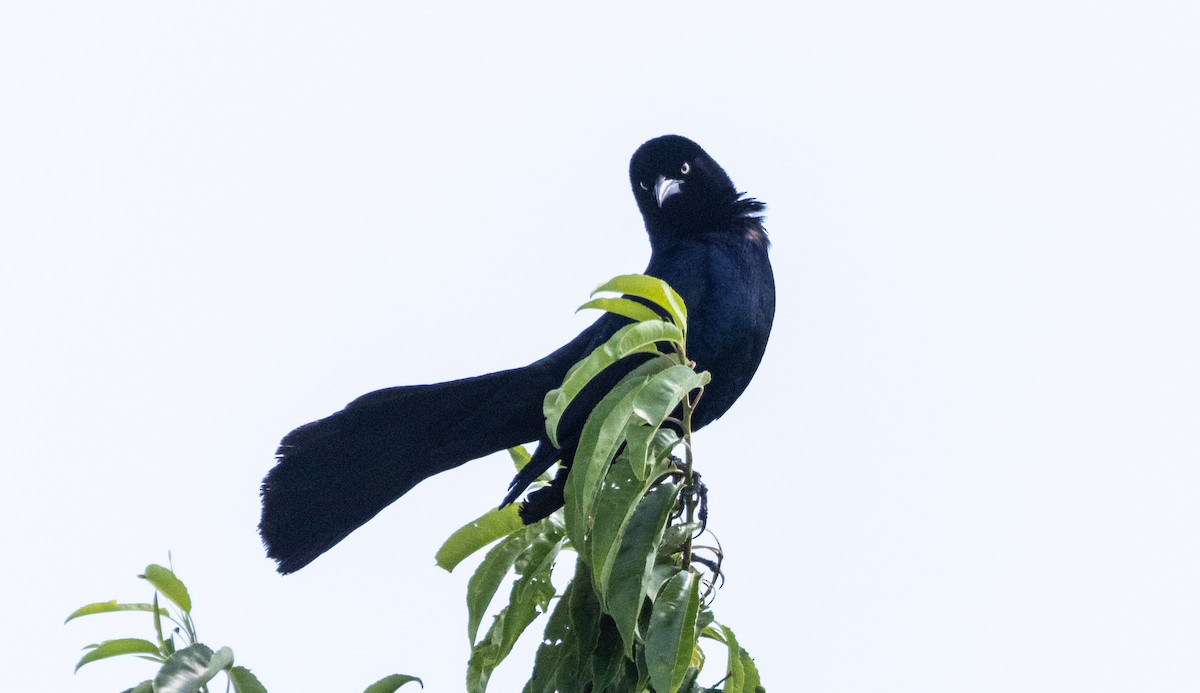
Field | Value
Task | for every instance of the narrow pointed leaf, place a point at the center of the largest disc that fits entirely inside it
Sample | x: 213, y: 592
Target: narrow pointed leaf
x: 168, y: 646
x: 646, y: 447
x: 652, y: 289
x: 742, y: 676
x: 169, y: 586
x: 520, y: 456
x: 531, y: 594
x: 585, y: 618
x: 598, y: 442
x: 638, y: 439
x: 390, y: 684
x: 473, y: 536
x: 608, y: 658
x: 615, y: 503
x: 189, y: 669
x: 116, y: 648
x: 735, y: 678
x: 663, y: 392
x: 640, y: 337
x: 244, y: 681
x: 108, y: 607
x: 676, y: 536
x: 623, y: 306
x: 753, y: 682
x: 671, y: 636
x: 654, y: 402
x: 632, y: 568
x: 664, y: 569
x: 698, y: 657
x: 713, y: 632
x: 487, y: 578
x: 550, y: 653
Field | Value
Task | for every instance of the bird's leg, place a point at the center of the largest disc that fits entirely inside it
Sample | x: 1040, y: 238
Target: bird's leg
x: 678, y: 470
x: 694, y: 494
x: 701, y: 492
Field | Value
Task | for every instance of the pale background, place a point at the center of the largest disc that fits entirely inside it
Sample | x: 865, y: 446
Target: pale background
x: 968, y: 463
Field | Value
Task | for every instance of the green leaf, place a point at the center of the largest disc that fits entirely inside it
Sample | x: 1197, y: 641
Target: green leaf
x: 170, y: 586
x: 652, y: 289
x: 598, y: 442
x: 389, y: 684
x: 646, y: 447
x: 244, y: 681
x: 531, y: 593
x: 643, y: 674
x: 676, y: 536
x: 664, y: 569
x: 713, y: 632
x: 753, y: 683
x: 689, y: 679
x: 108, y: 607
x: 653, y: 402
x: 640, y: 337
x: 585, y: 631
x: 537, y: 591
x: 659, y: 397
x: 638, y: 440
x: 189, y: 669
x: 520, y: 456
x: 698, y: 657
x: 742, y: 674
x: 671, y: 636
x: 615, y: 503
x: 473, y: 536
x: 168, y: 646
x: 146, y: 686
x: 704, y: 620
x: 735, y: 677
x: 487, y: 578
x: 118, y: 647
x: 629, y: 581
x: 627, y: 679
x: 631, y: 309
x: 608, y: 657
x: 550, y: 653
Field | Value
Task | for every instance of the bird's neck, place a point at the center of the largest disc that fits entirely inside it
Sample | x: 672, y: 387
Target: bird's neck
x: 739, y: 219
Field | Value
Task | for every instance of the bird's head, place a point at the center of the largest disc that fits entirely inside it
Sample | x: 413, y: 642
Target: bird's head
x: 678, y: 187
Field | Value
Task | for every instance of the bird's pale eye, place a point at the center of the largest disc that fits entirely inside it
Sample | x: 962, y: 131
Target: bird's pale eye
x: 644, y: 186
x: 685, y: 168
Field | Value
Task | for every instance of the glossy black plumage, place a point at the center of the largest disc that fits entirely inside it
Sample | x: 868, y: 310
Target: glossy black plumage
x: 707, y: 241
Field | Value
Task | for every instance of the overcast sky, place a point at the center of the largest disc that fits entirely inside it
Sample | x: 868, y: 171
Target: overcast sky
x: 968, y: 462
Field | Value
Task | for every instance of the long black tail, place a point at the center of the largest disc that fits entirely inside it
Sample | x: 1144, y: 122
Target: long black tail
x: 335, y: 474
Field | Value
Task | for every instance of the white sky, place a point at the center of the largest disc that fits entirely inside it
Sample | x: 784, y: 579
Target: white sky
x: 968, y: 463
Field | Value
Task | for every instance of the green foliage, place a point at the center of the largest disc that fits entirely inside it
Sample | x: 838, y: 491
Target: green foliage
x: 189, y: 665
x: 633, y: 615
x: 391, y: 684
x: 475, y: 535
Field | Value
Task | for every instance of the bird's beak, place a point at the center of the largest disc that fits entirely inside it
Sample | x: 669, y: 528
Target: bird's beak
x: 665, y: 187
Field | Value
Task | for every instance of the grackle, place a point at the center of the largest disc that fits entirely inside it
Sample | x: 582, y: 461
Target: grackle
x: 706, y: 240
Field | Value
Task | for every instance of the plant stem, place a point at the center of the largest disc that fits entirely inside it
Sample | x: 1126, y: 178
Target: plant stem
x: 689, y: 498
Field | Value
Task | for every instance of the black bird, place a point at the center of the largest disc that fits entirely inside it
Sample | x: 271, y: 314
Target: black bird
x: 706, y: 240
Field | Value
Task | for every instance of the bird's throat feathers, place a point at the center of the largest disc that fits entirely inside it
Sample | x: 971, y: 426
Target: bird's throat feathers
x: 736, y: 217
x: 746, y: 213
